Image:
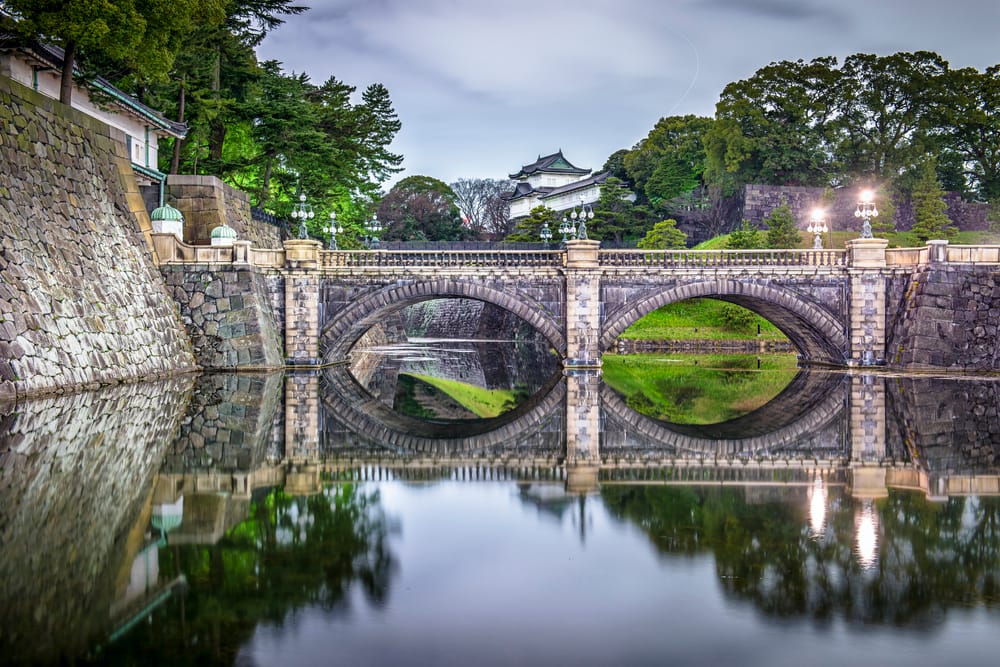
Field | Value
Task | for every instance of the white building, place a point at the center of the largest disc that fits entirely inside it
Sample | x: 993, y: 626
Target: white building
x: 39, y: 66
x: 552, y: 181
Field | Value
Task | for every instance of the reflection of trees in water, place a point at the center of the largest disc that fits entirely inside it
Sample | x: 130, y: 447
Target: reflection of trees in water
x: 931, y: 556
x: 291, y: 553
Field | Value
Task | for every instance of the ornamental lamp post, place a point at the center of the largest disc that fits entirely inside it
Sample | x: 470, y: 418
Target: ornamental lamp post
x: 373, y: 228
x: 866, y: 210
x: 585, y: 213
x: 546, y: 234
x: 817, y: 226
x: 334, y: 228
x: 302, y: 212
x: 566, y: 229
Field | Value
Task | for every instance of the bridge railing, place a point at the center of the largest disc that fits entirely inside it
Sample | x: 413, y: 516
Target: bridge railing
x: 334, y: 259
x: 721, y: 258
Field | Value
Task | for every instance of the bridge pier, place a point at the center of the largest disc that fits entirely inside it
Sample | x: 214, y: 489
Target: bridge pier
x: 302, y: 317
x: 302, y: 416
x: 583, y: 430
x: 583, y: 305
x: 867, y: 432
x: 867, y: 302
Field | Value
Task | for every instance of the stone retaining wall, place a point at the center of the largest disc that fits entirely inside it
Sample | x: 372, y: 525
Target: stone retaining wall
x: 81, y: 302
x: 227, y: 312
x: 946, y: 317
x: 207, y: 202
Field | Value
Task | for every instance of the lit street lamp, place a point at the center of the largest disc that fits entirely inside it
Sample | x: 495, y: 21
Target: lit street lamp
x: 817, y: 226
x: 374, y: 228
x: 302, y: 212
x: 334, y: 228
x: 585, y: 213
x: 866, y: 210
x: 546, y: 234
x: 566, y: 229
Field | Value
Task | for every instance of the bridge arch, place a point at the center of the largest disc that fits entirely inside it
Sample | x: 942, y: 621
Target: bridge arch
x: 343, y: 328
x: 815, y: 332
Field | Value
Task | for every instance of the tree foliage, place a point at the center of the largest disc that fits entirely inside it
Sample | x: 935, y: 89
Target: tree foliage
x: 747, y: 237
x: 528, y: 229
x: 930, y: 221
x: 781, y: 229
x: 421, y: 208
x: 662, y: 236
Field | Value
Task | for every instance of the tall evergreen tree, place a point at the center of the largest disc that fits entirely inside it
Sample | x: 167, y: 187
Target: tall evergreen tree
x: 930, y: 220
x: 781, y: 229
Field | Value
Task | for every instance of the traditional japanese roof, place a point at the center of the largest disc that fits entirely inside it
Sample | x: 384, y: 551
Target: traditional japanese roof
x: 597, y: 179
x: 524, y: 189
x: 51, y: 56
x: 551, y: 164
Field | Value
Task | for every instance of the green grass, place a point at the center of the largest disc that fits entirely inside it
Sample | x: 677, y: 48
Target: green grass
x: 695, y: 319
x: 483, y: 403
x: 697, y: 389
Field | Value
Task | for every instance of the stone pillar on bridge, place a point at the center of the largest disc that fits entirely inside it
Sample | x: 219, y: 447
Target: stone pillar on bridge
x: 583, y: 305
x: 868, y: 442
x: 302, y: 303
x: 302, y: 417
x: 867, y: 301
x: 583, y: 430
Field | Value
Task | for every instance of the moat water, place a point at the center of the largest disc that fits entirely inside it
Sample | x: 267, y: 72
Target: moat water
x: 380, y: 519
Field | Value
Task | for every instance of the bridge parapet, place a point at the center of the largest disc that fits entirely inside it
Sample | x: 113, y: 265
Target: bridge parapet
x: 723, y: 258
x: 466, y: 259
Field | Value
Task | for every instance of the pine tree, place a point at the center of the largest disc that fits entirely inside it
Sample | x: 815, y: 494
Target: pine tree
x: 528, y: 229
x: 782, y: 232
x: 663, y: 235
x: 747, y: 237
x: 930, y: 220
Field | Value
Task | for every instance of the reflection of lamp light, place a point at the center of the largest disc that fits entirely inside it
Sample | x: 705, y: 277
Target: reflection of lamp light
x: 866, y: 542
x: 817, y: 507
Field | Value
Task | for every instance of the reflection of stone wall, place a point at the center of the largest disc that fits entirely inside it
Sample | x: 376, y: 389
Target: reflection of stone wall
x: 80, y: 300
x: 229, y: 424
x: 227, y: 312
x: 949, y: 425
x: 75, y: 475
x: 207, y: 202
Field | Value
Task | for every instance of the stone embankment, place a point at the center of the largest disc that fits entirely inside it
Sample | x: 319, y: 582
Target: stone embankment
x: 81, y: 302
x: 947, y: 317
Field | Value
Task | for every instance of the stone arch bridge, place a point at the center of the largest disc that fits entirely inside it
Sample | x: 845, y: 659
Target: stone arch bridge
x: 853, y: 307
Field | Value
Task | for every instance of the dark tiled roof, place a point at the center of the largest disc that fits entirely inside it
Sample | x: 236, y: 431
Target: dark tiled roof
x: 554, y: 163
x: 578, y: 185
x: 53, y: 56
x: 524, y: 190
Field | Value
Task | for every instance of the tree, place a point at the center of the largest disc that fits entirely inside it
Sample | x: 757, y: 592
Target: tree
x: 771, y: 128
x: 669, y: 161
x: 663, y: 235
x: 747, y: 237
x: 883, y: 106
x: 528, y: 229
x: 930, y: 220
x: 782, y: 231
x: 487, y: 214
x: 615, y: 216
x: 421, y: 208
x: 968, y: 121
x: 142, y: 36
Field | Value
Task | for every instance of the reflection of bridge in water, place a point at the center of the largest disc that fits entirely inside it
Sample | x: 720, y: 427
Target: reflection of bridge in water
x: 870, y: 433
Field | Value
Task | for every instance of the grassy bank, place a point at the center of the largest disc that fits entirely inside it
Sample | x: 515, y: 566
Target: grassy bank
x: 701, y: 319
x: 698, y: 389
x: 482, y: 402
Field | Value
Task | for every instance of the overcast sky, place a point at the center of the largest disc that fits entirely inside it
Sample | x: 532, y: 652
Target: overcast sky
x: 483, y: 87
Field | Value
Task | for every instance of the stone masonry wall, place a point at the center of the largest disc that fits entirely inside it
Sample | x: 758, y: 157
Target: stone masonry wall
x: 760, y: 200
x: 946, y: 316
x: 227, y: 312
x: 207, y: 202
x: 81, y: 302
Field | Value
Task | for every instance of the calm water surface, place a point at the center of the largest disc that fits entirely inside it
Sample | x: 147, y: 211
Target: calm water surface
x: 302, y: 520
